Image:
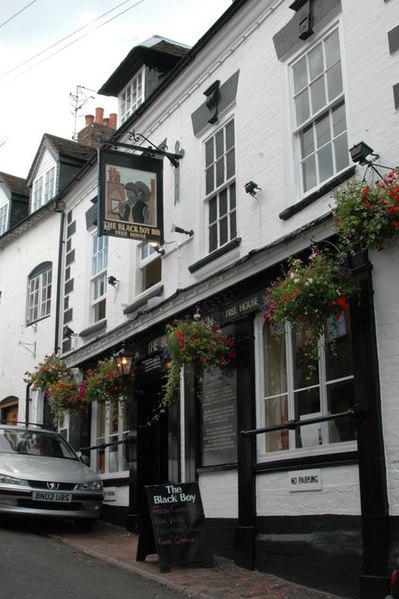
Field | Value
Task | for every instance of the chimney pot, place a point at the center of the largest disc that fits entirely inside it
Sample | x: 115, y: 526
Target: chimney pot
x: 112, y: 120
x: 106, y: 122
x: 89, y: 119
x: 99, y: 115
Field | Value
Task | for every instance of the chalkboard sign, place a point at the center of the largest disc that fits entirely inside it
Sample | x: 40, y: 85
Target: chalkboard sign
x: 219, y: 417
x: 173, y: 525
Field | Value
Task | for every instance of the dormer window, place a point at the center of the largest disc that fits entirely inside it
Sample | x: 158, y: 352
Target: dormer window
x: 43, y: 189
x: 49, y: 181
x: 132, y: 96
x: 3, y: 218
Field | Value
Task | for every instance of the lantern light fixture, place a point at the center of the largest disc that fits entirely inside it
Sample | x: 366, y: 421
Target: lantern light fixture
x: 124, y: 360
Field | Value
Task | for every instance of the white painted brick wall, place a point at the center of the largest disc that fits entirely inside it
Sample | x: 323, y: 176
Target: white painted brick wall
x: 219, y: 494
x: 339, y: 494
x: 263, y: 142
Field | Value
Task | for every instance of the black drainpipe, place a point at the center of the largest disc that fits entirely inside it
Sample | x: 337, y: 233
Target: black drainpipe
x: 59, y: 278
x: 27, y: 400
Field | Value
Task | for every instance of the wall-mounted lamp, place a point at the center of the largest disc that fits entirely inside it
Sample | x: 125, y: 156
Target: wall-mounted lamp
x: 113, y: 281
x: 68, y: 333
x: 360, y: 151
x: 362, y: 154
x: 156, y: 247
x: 124, y: 361
x: 251, y: 188
x: 178, y: 229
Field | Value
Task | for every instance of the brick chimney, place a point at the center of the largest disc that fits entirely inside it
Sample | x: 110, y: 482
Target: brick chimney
x: 97, y: 128
x: 99, y: 115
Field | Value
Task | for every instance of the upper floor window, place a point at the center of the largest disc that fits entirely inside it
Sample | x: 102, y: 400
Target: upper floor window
x: 220, y: 186
x: 49, y: 181
x: 132, y: 96
x: 292, y: 390
x: 37, y: 194
x: 150, y: 267
x: 43, y: 189
x: 319, y: 107
x: 99, y: 263
x: 3, y: 218
x: 39, y: 292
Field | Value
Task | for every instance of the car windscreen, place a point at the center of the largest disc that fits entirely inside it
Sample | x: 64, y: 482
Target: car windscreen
x: 35, y: 443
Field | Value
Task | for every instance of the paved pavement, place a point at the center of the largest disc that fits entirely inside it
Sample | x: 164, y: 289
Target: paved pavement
x: 225, y: 580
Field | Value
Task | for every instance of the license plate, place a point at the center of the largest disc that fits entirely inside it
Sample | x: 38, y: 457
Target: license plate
x: 55, y: 496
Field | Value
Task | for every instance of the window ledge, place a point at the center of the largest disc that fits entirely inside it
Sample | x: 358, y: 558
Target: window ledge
x: 216, y: 254
x: 327, y: 459
x: 299, y: 206
x: 98, y: 326
x: 154, y: 291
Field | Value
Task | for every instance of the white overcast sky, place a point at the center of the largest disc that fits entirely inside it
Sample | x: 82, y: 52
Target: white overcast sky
x: 39, y: 72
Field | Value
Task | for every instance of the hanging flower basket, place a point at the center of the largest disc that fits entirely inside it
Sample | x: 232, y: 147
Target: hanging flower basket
x: 46, y: 373
x: 198, y: 343
x: 307, y: 295
x: 63, y: 391
x: 104, y: 383
x: 367, y: 214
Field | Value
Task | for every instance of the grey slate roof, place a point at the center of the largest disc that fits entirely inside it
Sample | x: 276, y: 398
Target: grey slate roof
x: 15, y: 184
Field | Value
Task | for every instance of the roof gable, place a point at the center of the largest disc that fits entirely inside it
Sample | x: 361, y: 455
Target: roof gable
x: 61, y: 149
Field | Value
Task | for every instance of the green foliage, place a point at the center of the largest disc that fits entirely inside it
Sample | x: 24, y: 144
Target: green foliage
x: 104, y: 383
x: 367, y: 214
x: 198, y: 343
x: 307, y: 295
x: 63, y: 392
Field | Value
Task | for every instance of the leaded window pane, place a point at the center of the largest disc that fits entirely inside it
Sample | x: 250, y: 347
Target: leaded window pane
x: 302, y: 107
x: 315, y: 62
x: 341, y: 152
x: 300, y: 75
x: 318, y: 94
x: 334, y: 82
x: 326, y: 168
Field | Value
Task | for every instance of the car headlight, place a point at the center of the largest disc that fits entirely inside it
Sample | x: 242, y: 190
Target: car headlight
x: 10, y: 480
x: 95, y: 485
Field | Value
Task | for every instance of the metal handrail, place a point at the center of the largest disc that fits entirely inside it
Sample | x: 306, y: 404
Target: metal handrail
x: 356, y: 412
x: 128, y: 438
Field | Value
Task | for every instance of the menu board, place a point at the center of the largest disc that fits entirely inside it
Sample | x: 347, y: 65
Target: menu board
x: 173, y: 525
x: 219, y: 417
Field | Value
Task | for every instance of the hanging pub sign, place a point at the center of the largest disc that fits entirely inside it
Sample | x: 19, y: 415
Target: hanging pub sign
x: 130, y: 196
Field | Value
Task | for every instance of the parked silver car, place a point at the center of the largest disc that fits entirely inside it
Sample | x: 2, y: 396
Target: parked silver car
x: 41, y: 475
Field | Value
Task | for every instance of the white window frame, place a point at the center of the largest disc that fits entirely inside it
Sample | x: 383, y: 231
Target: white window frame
x: 132, y: 95
x: 147, y: 257
x: 220, y: 188
x: 103, y: 465
x: 49, y: 185
x: 98, y: 283
x: 39, y: 293
x: 4, y: 218
x: 293, y: 451
x: 326, y: 110
x: 37, y: 193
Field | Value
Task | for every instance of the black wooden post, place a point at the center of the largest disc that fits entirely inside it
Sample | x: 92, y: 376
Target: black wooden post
x: 244, y: 546
x: 372, y: 473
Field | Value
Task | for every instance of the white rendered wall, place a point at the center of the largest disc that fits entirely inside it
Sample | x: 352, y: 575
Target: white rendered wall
x: 339, y: 494
x: 219, y: 494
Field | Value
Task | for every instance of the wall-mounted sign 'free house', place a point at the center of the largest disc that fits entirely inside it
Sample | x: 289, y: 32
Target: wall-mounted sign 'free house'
x: 173, y: 525
x: 130, y: 202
